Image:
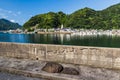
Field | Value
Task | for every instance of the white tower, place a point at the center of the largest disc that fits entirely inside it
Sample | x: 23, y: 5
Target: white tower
x: 62, y: 26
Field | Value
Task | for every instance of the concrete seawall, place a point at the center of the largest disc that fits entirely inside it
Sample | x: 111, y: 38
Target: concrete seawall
x: 90, y: 56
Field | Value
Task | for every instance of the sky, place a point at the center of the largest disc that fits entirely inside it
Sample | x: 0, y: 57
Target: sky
x: 20, y: 11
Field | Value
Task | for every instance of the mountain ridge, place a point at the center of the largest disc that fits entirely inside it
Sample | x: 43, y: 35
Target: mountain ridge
x: 85, y: 18
x: 7, y: 25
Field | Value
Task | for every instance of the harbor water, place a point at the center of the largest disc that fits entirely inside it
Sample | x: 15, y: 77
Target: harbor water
x: 63, y: 39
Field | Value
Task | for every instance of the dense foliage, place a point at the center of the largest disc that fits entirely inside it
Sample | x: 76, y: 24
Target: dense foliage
x: 7, y: 25
x: 48, y: 20
x: 85, y: 18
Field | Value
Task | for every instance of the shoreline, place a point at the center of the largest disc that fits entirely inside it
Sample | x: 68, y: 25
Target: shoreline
x: 54, y: 32
x: 80, y: 32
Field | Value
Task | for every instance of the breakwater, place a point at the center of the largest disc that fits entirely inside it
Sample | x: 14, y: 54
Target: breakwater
x: 82, y: 55
x: 96, y: 32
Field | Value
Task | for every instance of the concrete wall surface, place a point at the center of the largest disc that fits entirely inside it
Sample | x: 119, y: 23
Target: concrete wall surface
x: 91, y: 56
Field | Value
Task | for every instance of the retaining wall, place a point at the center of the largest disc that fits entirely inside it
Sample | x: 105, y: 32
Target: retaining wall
x: 92, y: 56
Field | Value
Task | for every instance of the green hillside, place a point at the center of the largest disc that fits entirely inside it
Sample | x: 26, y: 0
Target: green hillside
x: 85, y: 18
x: 7, y: 25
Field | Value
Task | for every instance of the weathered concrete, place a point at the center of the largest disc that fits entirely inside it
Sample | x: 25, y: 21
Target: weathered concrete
x: 32, y: 68
x: 7, y: 76
x: 91, y: 56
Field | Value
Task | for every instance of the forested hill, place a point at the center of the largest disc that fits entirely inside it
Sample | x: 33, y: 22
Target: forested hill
x: 7, y: 25
x: 84, y: 18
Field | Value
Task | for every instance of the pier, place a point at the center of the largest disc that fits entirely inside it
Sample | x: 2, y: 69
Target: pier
x: 28, y: 59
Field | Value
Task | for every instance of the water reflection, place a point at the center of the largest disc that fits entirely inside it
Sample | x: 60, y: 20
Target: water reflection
x: 5, y: 37
x: 62, y: 39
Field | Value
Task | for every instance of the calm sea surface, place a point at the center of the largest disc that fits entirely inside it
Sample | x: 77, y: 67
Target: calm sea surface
x: 62, y: 39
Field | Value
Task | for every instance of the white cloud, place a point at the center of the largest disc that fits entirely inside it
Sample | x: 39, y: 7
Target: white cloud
x: 14, y: 14
x: 9, y: 12
x: 18, y: 12
x: 12, y: 20
x: 5, y: 11
x: 11, y: 15
x: 3, y: 15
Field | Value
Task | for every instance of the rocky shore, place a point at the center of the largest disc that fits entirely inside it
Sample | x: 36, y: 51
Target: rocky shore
x: 96, y: 32
x: 83, y: 32
x: 30, y: 68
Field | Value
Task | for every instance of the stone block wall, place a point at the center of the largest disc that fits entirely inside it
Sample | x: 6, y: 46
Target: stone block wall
x: 91, y: 56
